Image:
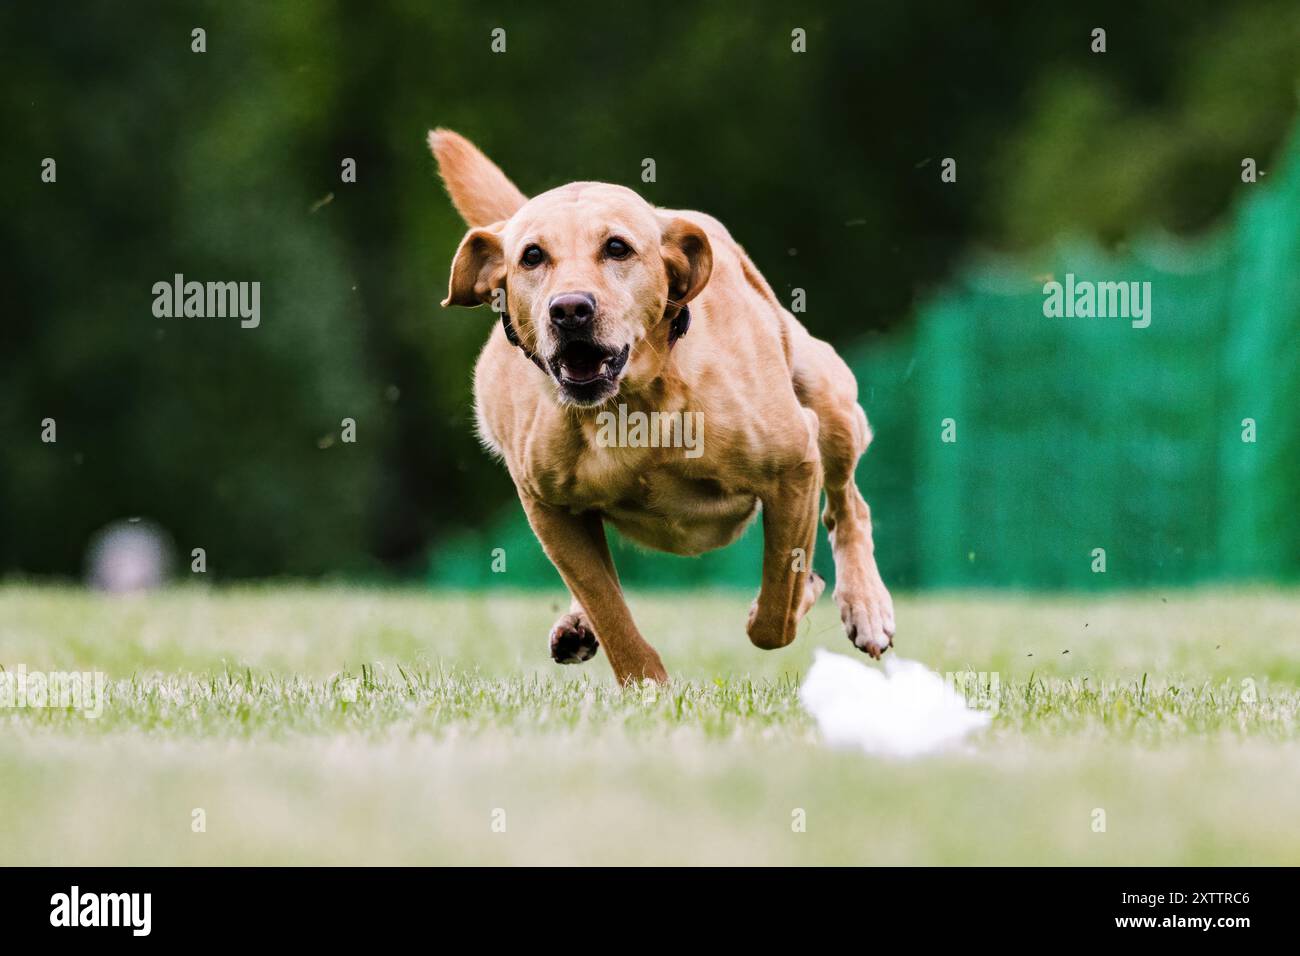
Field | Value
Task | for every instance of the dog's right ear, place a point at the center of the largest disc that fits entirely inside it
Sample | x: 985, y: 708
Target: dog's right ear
x: 688, y: 257
x: 478, y: 269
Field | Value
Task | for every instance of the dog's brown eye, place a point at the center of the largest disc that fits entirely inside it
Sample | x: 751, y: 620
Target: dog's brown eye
x: 617, y: 249
x: 532, y: 257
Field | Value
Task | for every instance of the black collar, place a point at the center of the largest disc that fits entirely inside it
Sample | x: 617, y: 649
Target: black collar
x: 680, y: 323
x: 513, y: 338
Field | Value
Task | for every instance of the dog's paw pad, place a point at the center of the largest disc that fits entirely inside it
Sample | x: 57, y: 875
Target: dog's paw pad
x: 572, y: 642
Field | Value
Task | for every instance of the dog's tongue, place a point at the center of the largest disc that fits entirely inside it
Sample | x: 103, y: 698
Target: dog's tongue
x: 581, y: 370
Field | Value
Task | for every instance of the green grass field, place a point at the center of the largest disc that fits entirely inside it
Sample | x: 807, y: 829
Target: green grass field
x: 316, y: 725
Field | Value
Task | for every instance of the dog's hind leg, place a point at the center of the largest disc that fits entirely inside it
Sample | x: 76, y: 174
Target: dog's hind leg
x: 825, y: 384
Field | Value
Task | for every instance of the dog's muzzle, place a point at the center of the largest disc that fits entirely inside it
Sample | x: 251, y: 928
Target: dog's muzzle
x: 587, y: 372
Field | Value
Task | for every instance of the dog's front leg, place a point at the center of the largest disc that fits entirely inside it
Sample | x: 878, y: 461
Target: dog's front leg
x: 789, y: 528
x: 577, y: 547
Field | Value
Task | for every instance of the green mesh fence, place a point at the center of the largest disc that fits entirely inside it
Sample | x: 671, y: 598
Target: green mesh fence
x: 1072, y: 434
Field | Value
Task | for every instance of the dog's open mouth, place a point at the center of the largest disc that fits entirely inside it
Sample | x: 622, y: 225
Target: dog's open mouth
x: 588, y: 372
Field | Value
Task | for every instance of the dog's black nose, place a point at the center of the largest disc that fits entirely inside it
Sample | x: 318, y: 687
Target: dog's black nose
x: 573, y: 310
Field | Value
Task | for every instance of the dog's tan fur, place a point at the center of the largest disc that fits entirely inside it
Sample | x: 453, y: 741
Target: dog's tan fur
x: 780, y: 407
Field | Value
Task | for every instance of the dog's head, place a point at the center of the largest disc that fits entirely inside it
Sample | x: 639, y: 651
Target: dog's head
x: 589, y: 273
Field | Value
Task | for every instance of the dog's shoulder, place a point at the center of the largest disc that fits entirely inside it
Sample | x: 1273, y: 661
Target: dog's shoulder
x: 506, y: 394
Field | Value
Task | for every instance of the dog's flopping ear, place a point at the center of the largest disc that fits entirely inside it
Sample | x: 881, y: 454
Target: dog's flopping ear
x: 479, y: 190
x: 688, y: 257
x: 478, y: 269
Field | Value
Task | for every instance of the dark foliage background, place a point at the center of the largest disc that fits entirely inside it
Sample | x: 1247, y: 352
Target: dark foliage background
x: 225, y: 166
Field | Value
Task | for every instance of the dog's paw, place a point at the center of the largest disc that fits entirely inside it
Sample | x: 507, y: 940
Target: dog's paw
x: 572, y: 640
x: 868, y: 616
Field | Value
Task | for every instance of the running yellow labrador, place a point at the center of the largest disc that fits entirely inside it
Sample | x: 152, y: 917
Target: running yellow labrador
x: 596, y: 339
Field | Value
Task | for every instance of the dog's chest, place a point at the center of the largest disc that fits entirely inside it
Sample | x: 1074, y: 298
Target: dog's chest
x: 658, y: 498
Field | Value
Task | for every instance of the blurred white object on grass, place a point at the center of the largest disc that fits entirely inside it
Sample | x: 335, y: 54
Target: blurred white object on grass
x: 127, y: 557
x: 906, y: 711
